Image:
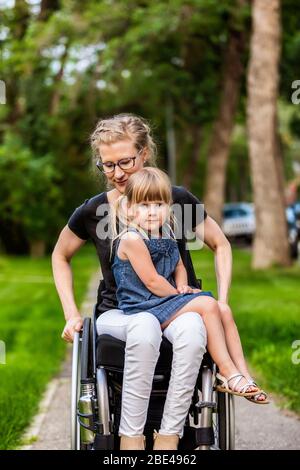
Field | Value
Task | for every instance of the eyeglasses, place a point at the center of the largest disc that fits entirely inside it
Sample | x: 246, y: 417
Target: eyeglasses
x: 109, y: 167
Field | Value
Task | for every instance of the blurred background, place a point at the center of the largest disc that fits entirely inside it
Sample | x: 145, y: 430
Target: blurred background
x: 219, y: 83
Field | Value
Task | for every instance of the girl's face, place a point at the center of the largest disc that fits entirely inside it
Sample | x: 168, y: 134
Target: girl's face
x: 117, y: 152
x: 150, y: 215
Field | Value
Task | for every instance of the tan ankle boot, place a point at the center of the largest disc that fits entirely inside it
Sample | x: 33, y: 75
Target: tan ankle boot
x: 132, y: 442
x: 164, y: 442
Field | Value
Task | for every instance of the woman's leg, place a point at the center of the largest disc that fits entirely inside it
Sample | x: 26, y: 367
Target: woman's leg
x: 188, y: 336
x: 142, y: 334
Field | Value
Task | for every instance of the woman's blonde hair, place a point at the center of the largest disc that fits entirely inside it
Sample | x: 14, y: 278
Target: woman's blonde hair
x: 147, y: 184
x: 120, y: 127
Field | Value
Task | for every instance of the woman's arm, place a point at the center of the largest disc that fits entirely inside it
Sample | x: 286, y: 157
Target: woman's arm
x: 216, y: 240
x: 67, y: 245
x: 138, y: 254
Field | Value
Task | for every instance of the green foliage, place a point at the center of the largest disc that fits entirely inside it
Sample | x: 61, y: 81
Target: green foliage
x: 28, y: 189
x: 238, y: 186
x: 79, y: 61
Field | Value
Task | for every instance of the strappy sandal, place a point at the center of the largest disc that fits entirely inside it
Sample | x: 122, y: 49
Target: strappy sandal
x: 223, y: 385
x: 255, y: 398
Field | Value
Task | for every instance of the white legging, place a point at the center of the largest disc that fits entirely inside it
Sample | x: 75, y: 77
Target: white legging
x: 142, y: 334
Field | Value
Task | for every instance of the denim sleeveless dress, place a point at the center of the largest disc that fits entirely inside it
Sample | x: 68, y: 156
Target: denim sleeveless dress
x: 132, y: 294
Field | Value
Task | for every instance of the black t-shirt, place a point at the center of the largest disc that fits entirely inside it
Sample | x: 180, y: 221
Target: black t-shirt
x: 90, y: 221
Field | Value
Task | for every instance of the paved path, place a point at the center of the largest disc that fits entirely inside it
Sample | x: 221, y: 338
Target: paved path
x: 258, y: 427
x: 265, y: 427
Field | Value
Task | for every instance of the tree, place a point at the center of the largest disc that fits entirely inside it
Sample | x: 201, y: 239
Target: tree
x: 271, y: 240
x: 30, y: 200
x: 221, y: 135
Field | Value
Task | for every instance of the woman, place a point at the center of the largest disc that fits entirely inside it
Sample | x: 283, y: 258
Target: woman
x: 122, y: 146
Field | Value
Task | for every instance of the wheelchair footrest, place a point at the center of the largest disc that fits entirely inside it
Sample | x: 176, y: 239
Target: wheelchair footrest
x: 104, y: 442
x: 205, y: 436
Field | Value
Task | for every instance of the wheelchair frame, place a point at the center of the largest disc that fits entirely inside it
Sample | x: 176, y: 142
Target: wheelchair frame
x: 210, y: 424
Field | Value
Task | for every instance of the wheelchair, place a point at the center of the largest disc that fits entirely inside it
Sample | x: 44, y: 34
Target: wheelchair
x: 97, y: 373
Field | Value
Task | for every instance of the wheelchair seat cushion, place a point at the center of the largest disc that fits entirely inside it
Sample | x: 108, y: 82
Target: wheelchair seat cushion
x: 110, y: 353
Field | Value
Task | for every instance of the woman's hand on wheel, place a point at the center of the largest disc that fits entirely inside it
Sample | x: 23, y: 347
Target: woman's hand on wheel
x: 73, y: 324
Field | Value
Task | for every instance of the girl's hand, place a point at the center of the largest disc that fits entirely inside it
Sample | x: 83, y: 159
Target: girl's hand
x: 72, y: 325
x: 183, y: 289
x: 196, y: 291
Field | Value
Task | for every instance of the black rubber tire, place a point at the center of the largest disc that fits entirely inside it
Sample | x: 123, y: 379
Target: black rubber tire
x: 226, y: 419
x: 86, y: 351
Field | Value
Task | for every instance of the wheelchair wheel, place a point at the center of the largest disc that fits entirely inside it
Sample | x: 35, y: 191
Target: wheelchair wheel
x: 226, y: 421
x: 90, y: 412
x: 217, y: 418
x: 75, y: 391
x: 82, y: 435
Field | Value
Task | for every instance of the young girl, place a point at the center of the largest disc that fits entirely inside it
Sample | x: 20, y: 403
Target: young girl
x: 150, y: 275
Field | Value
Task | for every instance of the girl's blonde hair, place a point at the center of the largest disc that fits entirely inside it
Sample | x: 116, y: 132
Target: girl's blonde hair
x: 147, y: 184
x: 120, y: 127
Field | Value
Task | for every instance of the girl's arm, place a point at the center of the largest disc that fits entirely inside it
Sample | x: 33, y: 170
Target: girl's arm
x: 181, y: 279
x: 180, y: 274
x: 138, y: 254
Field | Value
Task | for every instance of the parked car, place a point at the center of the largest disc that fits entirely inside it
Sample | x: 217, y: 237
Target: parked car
x: 239, y: 223
x: 239, y: 220
x: 296, y: 209
x: 294, y: 231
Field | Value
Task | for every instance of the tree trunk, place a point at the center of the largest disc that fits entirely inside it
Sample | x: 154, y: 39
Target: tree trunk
x: 271, y: 240
x: 18, y: 28
x: 195, y: 152
x: 47, y: 8
x: 243, y: 185
x: 171, y: 140
x: 54, y: 103
x: 13, y: 239
x: 37, y: 248
x: 222, y: 129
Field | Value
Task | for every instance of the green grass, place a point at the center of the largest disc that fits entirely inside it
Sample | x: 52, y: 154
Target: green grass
x: 31, y: 322
x: 267, y: 311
